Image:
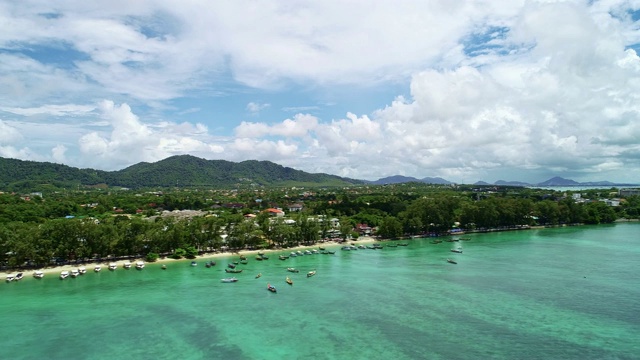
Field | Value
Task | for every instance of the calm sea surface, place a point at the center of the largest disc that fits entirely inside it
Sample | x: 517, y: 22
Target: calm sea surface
x: 569, y: 293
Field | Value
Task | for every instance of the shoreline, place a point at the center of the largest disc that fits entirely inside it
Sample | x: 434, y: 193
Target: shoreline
x: 167, y: 260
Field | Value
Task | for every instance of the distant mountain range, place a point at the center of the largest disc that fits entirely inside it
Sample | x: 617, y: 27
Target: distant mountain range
x: 554, y: 181
x: 191, y: 171
x: 399, y: 179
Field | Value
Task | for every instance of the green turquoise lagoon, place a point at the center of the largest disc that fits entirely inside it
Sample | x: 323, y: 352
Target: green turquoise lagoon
x: 561, y: 293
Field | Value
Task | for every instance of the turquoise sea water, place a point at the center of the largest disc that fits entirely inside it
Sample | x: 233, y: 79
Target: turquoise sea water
x: 567, y: 293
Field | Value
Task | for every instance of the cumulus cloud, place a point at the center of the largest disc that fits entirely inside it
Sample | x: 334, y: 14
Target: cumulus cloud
x: 8, y: 134
x: 299, y: 126
x: 130, y: 140
x: 495, y: 88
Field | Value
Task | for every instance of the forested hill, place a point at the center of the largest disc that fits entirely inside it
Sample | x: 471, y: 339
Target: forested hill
x: 181, y: 170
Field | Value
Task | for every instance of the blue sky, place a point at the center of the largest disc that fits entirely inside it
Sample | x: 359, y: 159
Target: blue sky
x: 466, y: 90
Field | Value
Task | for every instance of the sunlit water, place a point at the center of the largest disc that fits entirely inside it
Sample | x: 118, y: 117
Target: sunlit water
x: 570, y: 293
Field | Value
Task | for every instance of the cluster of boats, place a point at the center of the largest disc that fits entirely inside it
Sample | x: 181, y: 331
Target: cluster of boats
x: 112, y: 267
x: 16, y: 277
x: 372, y: 246
x: 307, y: 252
x: 231, y: 267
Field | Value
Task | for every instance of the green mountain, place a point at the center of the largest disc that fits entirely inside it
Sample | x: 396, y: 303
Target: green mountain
x: 181, y: 170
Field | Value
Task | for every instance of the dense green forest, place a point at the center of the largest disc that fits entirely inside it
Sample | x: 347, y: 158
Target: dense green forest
x: 40, y: 229
x: 182, y: 170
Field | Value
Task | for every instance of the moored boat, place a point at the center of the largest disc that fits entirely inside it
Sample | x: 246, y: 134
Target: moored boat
x: 271, y: 288
x: 10, y: 277
x: 451, y: 261
x: 140, y: 265
x: 293, y: 270
x: 18, y: 277
x: 403, y: 244
x: 459, y: 251
x: 64, y: 274
x: 127, y: 265
x: 289, y: 281
x: 311, y: 273
x: 233, y: 271
x: 38, y: 274
x: 231, y: 266
x: 194, y: 263
x: 97, y: 268
x: 229, y: 280
x: 82, y: 270
x: 113, y: 266
x: 74, y: 273
x: 163, y: 267
x: 257, y: 276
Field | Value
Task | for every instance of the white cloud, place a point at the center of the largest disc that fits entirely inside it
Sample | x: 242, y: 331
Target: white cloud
x: 58, y: 154
x: 53, y: 110
x: 8, y: 134
x: 255, y: 108
x: 130, y: 140
x: 299, y: 126
x: 496, y: 87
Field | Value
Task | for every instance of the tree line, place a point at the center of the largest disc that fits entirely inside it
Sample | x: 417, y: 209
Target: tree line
x: 63, y: 228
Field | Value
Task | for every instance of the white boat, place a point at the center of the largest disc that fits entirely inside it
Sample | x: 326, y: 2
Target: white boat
x: 18, y: 277
x: 75, y: 273
x: 293, y: 254
x: 113, y: 266
x: 82, y: 270
x: 97, y: 268
x: 140, y: 265
x: 38, y: 274
x: 126, y: 265
x: 229, y: 280
x: 64, y: 275
x: 10, y: 277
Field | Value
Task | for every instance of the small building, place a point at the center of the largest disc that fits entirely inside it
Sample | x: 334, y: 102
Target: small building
x: 363, y: 229
x: 629, y: 192
x: 295, y: 207
x: 274, y: 212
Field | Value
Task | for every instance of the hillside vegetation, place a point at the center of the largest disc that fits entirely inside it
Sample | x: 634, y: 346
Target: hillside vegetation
x: 181, y: 170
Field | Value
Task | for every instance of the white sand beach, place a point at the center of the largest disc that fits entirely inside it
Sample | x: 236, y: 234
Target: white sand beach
x: 56, y: 270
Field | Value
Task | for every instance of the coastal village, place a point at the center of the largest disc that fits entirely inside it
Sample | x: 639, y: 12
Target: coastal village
x: 279, y: 219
